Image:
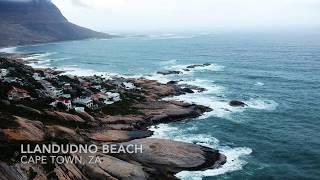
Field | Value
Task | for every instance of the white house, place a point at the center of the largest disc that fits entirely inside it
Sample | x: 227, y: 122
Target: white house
x: 79, y: 109
x: 3, y: 72
x: 128, y: 85
x: 114, y: 96
x: 84, y: 101
x: 66, y: 102
x: 49, y: 75
x: 67, y: 86
x: 37, y: 76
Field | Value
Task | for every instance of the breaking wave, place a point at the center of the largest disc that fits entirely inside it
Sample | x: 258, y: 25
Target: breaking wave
x: 236, y: 157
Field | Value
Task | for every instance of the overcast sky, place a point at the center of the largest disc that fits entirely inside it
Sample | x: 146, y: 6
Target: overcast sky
x: 191, y: 15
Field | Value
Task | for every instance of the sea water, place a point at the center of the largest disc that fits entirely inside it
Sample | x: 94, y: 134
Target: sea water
x: 277, y: 136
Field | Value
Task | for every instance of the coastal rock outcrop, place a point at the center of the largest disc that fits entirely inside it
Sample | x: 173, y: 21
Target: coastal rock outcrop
x: 236, y: 103
x: 65, y: 116
x: 168, y: 72
x: 181, y: 155
x: 119, y: 135
x: 97, y: 121
x: 25, y: 130
x: 198, y: 65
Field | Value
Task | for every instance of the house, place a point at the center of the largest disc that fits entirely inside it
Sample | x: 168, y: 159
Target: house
x: 11, y: 79
x: 84, y: 101
x: 37, y: 76
x: 99, y: 96
x: 79, y: 109
x: 86, y: 84
x: 128, y: 85
x: 53, y: 92
x: 114, y: 96
x: 68, y: 96
x: 67, y: 86
x: 49, y: 76
x: 16, y: 94
x: 64, y: 101
x: 3, y: 72
x: 97, y: 87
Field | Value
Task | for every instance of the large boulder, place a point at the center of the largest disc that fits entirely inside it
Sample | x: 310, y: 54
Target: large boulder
x: 198, y: 65
x: 236, y: 103
x: 168, y: 72
x: 25, y: 130
x: 173, y: 156
x: 119, y: 135
x: 65, y: 116
x: 122, y: 169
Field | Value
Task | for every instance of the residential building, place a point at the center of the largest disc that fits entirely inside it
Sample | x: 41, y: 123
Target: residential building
x: 49, y: 76
x: 67, y: 86
x: 66, y: 102
x: 16, y: 94
x: 84, y: 101
x: 37, y: 76
x: 3, y: 72
x: 128, y: 85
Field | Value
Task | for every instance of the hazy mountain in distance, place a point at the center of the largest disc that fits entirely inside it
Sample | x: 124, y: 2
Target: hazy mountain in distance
x: 37, y: 21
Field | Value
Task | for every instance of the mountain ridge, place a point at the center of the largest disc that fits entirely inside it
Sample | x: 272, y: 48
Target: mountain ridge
x: 32, y: 22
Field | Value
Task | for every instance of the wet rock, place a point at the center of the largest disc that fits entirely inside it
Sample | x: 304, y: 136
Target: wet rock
x: 168, y: 72
x: 198, y: 65
x: 172, y: 82
x: 162, y: 111
x: 187, y: 90
x: 183, y: 87
x: 236, y: 103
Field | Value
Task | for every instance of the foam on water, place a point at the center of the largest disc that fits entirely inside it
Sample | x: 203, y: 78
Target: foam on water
x: 235, y: 156
x: 39, y: 56
x: 189, y: 71
x: 169, y: 36
x: 259, y: 84
x: 262, y: 104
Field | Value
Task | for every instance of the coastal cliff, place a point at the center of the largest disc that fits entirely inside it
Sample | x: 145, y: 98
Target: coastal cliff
x: 45, y: 106
x: 38, y: 21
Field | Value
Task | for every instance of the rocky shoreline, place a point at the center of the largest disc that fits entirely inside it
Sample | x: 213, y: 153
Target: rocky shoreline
x: 41, y: 106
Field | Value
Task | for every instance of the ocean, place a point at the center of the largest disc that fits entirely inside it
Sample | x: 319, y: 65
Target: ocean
x: 278, y: 75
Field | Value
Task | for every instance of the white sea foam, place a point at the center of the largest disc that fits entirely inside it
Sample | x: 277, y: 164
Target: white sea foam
x: 262, y: 104
x: 38, y: 56
x: 169, y: 62
x: 169, y: 36
x: 183, y: 68
x: 235, y: 161
x: 158, y: 77
x: 71, y: 70
x: 215, y: 99
x: 235, y: 156
x: 259, y: 84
